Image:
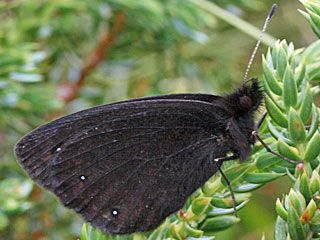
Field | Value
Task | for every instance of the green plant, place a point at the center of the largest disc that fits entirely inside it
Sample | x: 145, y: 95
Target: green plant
x: 160, y: 47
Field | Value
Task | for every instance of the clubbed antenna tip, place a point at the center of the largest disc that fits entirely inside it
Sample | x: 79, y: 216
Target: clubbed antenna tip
x: 273, y: 9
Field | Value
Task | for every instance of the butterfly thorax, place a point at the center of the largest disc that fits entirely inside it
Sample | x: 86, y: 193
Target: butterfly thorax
x: 239, y: 109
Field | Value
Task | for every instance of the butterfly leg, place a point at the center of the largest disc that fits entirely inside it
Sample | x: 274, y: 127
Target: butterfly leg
x: 227, y: 158
x: 261, y: 120
x: 255, y: 134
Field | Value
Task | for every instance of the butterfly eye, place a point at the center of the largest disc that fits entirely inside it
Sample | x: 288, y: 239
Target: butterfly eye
x: 246, y: 102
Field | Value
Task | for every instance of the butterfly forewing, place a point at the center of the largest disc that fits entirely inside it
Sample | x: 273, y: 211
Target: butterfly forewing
x: 127, y: 166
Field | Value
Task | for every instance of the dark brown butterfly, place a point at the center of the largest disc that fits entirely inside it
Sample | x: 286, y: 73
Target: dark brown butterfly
x: 126, y: 166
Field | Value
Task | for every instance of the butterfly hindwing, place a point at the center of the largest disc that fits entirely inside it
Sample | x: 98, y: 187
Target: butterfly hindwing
x: 125, y: 167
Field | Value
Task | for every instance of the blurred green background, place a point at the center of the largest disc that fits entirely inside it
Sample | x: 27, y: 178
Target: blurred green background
x: 58, y: 57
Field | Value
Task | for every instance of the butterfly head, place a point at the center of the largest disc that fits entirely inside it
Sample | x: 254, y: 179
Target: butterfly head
x: 250, y: 97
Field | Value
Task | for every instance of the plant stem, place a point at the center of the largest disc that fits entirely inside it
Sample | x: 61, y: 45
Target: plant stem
x: 235, y: 21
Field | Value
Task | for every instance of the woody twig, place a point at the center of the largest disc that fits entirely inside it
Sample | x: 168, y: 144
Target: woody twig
x: 93, y: 60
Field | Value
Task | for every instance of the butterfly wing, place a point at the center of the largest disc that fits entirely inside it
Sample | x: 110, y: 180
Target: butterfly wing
x: 125, y: 167
x: 208, y: 98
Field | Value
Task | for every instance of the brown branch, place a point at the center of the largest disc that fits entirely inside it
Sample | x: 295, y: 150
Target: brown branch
x: 70, y: 91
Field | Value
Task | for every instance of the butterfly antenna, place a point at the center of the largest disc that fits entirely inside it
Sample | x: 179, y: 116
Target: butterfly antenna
x: 273, y: 9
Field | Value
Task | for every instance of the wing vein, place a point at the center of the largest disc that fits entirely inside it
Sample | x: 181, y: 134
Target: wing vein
x: 161, y: 167
x: 125, y: 118
x: 167, y: 158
